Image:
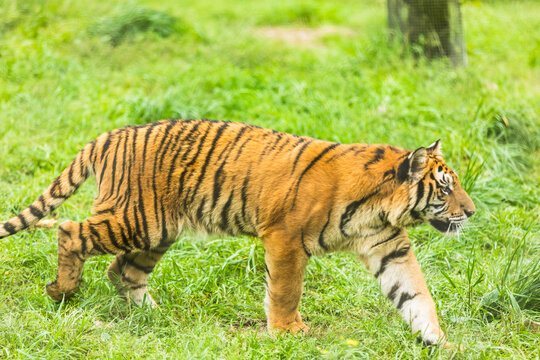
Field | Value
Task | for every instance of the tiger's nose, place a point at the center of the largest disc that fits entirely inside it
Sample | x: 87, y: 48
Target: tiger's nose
x: 469, y: 213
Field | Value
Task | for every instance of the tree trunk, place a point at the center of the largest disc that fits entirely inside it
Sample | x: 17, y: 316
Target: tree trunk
x: 431, y: 25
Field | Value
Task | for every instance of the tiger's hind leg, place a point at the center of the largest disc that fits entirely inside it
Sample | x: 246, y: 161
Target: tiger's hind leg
x: 76, y: 243
x: 130, y: 272
x: 70, y: 262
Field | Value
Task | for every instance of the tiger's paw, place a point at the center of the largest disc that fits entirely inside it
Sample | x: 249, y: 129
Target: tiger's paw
x: 439, y: 339
x: 294, y: 328
x: 141, y: 297
x: 57, y: 294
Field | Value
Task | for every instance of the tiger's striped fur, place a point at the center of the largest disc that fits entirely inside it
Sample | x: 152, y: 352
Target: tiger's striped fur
x: 300, y: 195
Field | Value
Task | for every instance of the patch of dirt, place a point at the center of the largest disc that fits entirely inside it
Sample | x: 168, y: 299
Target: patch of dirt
x: 303, y: 36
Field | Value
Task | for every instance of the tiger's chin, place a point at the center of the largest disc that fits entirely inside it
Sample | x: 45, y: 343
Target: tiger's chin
x: 447, y: 227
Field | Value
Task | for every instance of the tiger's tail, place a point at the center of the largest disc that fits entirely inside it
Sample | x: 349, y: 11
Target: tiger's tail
x: 60, y: 189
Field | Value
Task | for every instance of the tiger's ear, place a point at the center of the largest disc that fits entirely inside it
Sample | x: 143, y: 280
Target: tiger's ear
x: 435, y: 148
x: 412, y: 168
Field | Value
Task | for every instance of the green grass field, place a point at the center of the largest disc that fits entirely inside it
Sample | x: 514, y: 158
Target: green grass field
x: 71, y: 70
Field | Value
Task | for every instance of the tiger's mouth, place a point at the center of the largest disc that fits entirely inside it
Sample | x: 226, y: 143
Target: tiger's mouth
x: 447, y: 227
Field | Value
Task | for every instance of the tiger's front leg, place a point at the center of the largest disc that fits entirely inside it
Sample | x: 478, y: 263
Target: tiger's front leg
x: 285, y: 262
x: 397, y: 270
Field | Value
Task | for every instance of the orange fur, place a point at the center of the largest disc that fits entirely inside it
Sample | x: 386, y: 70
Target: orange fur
x: 300, y: 195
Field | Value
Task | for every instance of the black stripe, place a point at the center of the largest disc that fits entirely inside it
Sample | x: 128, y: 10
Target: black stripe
x: 315, y: 160
x: 125, y: 238
x: 105, y: 146
x: 103, y: 169
x: 164, y: 231
x: 217, y: 184
x: 238, y: 224
x: 135, y: 287
x: 175, y: 143
x: 65, y: 231
x: 146, y: 138
x: 362, y: 149
x: 41, y: 199
x: 392, y: 294
x: 321, y: 235
x: 131, y: 281
x: 267, y: 271
x: 82, y: 167
x: 23, y: 221
x: 430, y: 192
x: 112, y: 236
x: 302, y: 149
x: 92, y: 155
x: 270, y: 148
x: 350, y: 210
x: 145, y: 269
x: 200, y: 209
x: 243, y: 194
x: 405, y: 297
x: 218, y: 135
x: 157, y: 155
x: 124, y: 155
x: 304, y: 245
x: 56, y: 191
x: 218, y: 178
x: 282, y: 146
x: 70, y: 174
x: 163, y: 144
x: 391, y: 237
x: 225, y: 213
x: 234, y: 142
x: 105, y: 211
x: 299, y: 141
x: 403, y: 170
x: 419, y: 193
x: 101, y: 248
x: 113, y: 170
x: 187, y: 139
x: 127, y: 197
x: 82, y: 238
x: 36, y: 212
x: 10, y: 228
x: 379, y: 155
x: 241, y: 148
x: 166, y: 143
x: 95, y: 241
x: 136, y: 234
x: 145, y: 236
x: 348, y: 150
x: 192, y: 161
x: 393, y: 255
x: 389, y: 174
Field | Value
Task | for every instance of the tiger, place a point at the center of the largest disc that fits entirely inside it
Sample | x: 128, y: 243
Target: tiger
x: 301, y: 196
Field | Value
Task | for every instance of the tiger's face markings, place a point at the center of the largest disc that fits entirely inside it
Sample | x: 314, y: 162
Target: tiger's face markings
x: 446, y: 205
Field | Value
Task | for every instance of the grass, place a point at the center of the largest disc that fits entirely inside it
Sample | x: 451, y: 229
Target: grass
x: 70, y: 71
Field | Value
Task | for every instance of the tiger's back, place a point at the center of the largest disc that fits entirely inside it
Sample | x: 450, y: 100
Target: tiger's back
x: 210, y: 175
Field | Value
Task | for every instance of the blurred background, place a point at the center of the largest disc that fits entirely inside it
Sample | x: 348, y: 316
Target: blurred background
x: 375, y: 71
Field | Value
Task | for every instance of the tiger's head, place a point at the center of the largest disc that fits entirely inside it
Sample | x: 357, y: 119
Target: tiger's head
x: 435, y: 194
